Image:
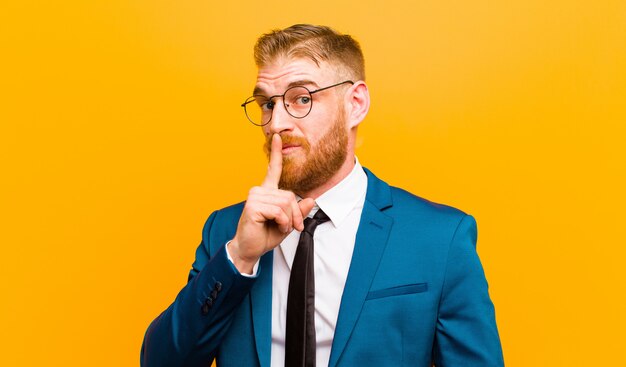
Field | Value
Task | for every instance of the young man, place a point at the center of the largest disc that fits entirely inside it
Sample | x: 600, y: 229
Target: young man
x: 375, y: 276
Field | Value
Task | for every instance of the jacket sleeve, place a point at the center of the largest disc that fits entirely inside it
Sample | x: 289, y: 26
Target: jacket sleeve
x: 466, y: 332
x: 188, y: 333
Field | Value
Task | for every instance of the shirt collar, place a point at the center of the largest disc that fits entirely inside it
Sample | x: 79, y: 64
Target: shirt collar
x: 339, y: 201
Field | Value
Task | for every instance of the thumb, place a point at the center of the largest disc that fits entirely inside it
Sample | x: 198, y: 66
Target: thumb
x: 305, y: 206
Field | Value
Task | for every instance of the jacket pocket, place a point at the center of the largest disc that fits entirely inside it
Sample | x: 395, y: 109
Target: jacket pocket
x: 397, y: 291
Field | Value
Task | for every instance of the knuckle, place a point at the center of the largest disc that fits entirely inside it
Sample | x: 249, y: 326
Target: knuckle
x: 288, y: 195
x: 284, y: 201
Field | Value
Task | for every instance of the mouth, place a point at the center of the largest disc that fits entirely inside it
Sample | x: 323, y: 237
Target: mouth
x: 290, y: 148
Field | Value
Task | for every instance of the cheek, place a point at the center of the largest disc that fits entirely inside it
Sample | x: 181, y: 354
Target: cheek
x: 316, y: 126
x: 311, y: 134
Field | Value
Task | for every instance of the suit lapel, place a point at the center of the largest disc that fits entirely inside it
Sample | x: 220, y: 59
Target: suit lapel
x: 370, y: 244
x: 261, y: 303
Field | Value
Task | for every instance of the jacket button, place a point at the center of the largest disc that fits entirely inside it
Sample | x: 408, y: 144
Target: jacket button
x: 214, y: 294
x: 218, y: 286
x: 208, y: 302
x: 205, y: 309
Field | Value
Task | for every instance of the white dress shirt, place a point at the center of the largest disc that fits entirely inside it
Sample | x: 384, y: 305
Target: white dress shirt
x: 334, y: 244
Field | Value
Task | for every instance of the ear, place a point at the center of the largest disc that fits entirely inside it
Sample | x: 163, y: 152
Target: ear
x: 357, y: 103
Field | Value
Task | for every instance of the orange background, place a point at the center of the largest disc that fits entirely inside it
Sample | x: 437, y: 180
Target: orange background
x: 120, y: 131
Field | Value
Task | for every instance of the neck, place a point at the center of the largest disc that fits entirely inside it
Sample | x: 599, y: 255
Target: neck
x: 342, y: 173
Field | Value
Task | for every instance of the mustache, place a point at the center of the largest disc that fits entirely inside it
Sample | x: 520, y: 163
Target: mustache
x: 287, y: 140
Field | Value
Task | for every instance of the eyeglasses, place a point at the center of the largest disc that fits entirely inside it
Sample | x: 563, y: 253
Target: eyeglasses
x: 297, y: 101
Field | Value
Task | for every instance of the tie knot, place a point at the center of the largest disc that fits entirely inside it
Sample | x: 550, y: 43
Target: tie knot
x: 311, y: 223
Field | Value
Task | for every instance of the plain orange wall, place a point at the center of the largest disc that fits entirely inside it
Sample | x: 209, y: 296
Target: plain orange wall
x: 121, y: 130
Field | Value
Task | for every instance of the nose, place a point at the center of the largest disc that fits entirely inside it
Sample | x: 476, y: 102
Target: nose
x: 281, y: 121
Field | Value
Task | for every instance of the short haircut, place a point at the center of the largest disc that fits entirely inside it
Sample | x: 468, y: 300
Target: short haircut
x: 315, y: 42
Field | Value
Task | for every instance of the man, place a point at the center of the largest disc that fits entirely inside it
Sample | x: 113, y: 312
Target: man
x: 378, y: 277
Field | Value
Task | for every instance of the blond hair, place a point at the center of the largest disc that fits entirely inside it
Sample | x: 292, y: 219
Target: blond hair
x: 317, y: 43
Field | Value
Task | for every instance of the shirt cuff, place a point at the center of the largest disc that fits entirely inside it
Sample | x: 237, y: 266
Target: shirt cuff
x: 254, y: 269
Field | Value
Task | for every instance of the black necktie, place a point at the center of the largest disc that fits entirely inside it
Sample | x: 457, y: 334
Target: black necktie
x: 300, y: 338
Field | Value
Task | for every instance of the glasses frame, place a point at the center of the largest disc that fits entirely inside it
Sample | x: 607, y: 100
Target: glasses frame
x: 253, y: 98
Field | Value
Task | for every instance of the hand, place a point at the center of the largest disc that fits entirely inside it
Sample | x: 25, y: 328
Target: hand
x: 268, y: 216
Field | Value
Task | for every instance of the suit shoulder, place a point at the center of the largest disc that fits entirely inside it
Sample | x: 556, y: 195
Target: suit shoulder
x: 225, y: 218
x: 408, y: 202
x: 408, y: 208
x: 422, y: 218
x: 230, y: 213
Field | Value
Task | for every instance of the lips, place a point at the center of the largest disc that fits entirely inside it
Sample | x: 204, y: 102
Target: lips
x: 288, y: 148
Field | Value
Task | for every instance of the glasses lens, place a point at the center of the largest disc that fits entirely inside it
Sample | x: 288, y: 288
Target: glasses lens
x: 298, y: 101
x: 257, y: 110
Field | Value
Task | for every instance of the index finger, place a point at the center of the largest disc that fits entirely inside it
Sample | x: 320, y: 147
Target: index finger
x: 275, y: 167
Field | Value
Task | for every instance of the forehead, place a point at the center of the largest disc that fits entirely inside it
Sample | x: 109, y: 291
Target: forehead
x: 282, y: 72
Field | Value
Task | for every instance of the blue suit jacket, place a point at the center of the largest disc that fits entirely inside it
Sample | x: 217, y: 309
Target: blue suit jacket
x: 416, y: 294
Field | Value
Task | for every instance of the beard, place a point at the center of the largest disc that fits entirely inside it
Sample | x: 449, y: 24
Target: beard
x: 301, y: 174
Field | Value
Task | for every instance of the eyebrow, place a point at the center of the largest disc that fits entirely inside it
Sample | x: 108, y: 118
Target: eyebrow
x: 295, y: 83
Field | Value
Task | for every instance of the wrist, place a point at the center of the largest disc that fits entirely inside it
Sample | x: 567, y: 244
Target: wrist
x: 245, y: 264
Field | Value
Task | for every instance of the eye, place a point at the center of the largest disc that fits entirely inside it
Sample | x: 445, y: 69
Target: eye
x: 303, y: 100
x: 266, y: 105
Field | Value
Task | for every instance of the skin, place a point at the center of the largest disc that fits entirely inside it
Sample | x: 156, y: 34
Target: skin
x: 271, y: 213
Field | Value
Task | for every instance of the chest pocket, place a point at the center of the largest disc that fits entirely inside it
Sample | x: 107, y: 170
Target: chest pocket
x: 398, y: 291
